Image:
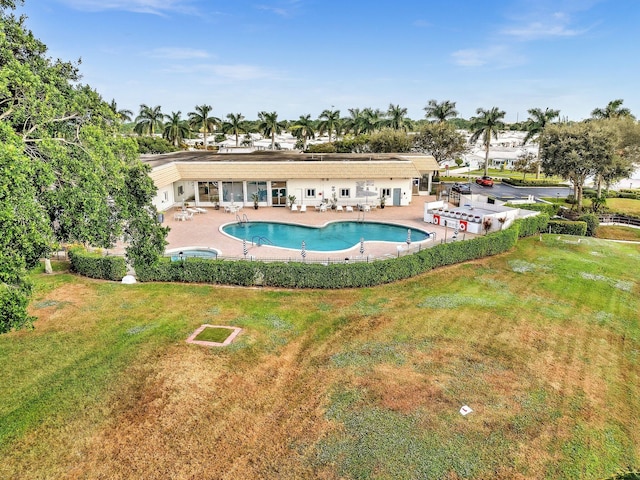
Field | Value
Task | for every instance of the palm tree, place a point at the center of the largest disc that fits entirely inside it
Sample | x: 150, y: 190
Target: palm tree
x: 612, y: 110
x: 303, y: 128
x: 149, y: 120
x: 356, y: 122
x: 373, y: 120
x: 440, y: 112
x: 329, y: 120
x: 486, y: 123
x: 397, y: 118
x: 202, y: 122
x: 175, y: 129
x: 123, y: 115
x: 235, y: 125
x: 269, y: 126
x: 536, y: 124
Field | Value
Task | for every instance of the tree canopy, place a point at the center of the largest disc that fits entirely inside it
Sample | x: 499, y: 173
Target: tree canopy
x: 65, y: 176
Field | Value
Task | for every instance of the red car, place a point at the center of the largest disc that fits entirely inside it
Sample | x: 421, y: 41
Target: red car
x: 485, y: 181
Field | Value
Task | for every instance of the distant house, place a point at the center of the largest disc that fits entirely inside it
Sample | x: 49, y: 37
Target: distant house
x: 206, y: 179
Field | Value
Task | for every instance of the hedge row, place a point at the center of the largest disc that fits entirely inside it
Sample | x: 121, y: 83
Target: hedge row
x: 300, y: 275
x: 568, y: 227
x: 531, y: 225
x: 550, y: 209
x: 518, y: 182
x: 95, y: 265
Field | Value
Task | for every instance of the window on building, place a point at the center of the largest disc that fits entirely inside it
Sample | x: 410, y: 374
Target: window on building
x: 385, y: 192
x: 310, y: 193
x: 345, y: 193
x: 165, y: 196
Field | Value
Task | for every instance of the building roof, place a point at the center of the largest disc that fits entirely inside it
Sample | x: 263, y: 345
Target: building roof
x: 200, y: 165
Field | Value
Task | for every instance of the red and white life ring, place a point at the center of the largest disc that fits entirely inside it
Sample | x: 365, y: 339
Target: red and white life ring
x: 436, y: 219
x: 463, y: 226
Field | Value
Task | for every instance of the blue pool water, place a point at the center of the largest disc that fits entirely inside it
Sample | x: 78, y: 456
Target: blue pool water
x: 335, y: 236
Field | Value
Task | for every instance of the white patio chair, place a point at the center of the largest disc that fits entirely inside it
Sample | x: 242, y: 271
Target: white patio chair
x: 294, y: 208
x: 303, y: 208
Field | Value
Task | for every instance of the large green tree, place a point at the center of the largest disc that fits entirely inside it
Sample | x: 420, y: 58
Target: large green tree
x: 577, y: 152
x: 486, y: 124
x: 535, y: 125
x: 441, y: 140
x: 397, y: 118
x: 65, y: 174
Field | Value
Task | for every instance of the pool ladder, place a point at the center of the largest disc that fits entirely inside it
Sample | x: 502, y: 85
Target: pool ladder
x: 261, y: 241
x: 242, y: 220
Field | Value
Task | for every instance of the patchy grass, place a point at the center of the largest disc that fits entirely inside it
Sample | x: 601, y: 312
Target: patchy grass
x: 543, y: 343
x: 615, y: 232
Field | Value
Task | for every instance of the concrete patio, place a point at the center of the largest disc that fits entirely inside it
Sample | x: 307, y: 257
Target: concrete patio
x: 203, y: 231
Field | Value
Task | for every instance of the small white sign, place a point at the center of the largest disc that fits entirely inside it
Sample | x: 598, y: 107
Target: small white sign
x: 465, y: 410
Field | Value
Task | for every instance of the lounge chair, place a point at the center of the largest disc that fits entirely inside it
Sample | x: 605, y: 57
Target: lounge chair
x: 200, y: 210
x: 323, y: 208
x: 339, y: 208
x: 294, y: 208
x: 349, y: 208
x: 303, y: 208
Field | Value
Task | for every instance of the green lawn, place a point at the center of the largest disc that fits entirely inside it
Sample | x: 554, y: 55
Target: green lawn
x: 543, y: 343
x: 624, y: 205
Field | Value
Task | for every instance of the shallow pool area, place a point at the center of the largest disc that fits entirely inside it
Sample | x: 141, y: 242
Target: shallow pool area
x: 191, y: 252
x: 334, y: 236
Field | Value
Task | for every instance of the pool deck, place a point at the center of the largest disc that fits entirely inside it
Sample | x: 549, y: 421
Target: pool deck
x: 203, y: 231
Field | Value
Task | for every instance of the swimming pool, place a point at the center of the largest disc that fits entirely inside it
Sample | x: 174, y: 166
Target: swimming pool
x: 332, y: 237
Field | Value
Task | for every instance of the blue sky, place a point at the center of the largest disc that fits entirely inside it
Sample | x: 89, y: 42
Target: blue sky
x: 300, y: 57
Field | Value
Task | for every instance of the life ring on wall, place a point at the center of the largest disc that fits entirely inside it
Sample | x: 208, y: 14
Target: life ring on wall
x: 463, y: 226
x: 436, y: 219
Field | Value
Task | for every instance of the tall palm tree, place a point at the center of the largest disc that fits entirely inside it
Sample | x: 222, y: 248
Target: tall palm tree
x: 536, y: 124
x: 440, y: 112
x: 149, y: 120
x: 612, y: 110
x: 175, y: 128
x: 269, y: 126
x: 373, y: 120
x: 329, y: 120
x: 201, y: 121
x: 397, y: 118
x: 235, y: 125
x: 303, y: 128
x: 356, y: 122
x: 123, y: 114
x: 486, y: 123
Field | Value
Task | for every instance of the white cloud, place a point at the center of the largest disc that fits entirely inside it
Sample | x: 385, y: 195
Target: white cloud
x: 285, y: 9
x: 237, y: 72
x: 156, y: 7
x: 537, y: 30
x: 496, y: 56
x: 178, y: 53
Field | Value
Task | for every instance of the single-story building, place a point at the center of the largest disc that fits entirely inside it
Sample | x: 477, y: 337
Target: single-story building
x: 207, y: 179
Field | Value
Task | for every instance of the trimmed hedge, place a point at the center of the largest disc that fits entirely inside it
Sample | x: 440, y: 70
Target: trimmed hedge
x: 95, y: 265
x: 301, y: 275
x: 518, y: 182
x: 568, y: 227
x: 531, y: 225
x: 591, y: 219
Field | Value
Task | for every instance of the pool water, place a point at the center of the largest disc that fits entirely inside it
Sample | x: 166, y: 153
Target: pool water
x: 334, y: 236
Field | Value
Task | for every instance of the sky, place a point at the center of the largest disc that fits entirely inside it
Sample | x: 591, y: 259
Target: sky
x: 299, y: 57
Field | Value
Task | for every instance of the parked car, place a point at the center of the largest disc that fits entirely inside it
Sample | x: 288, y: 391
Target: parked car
x: 485, y: 181
x: 462, y: 188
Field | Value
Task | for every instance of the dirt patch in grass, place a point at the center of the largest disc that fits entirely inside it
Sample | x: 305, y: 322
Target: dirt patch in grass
x: 615, y: 232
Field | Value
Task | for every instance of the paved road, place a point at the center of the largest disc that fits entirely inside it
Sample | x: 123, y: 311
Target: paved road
x: 507, y: 192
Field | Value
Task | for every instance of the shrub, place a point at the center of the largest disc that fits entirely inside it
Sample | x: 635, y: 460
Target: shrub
x: 550, y: 209
x: 154, y: 145
x: 592, y: 223
x: 568, y: 227
x: 13, y: 307
x: 532, y: 182
x: 321, y: 148
x: 95, y: 265
x: 532, y: 225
